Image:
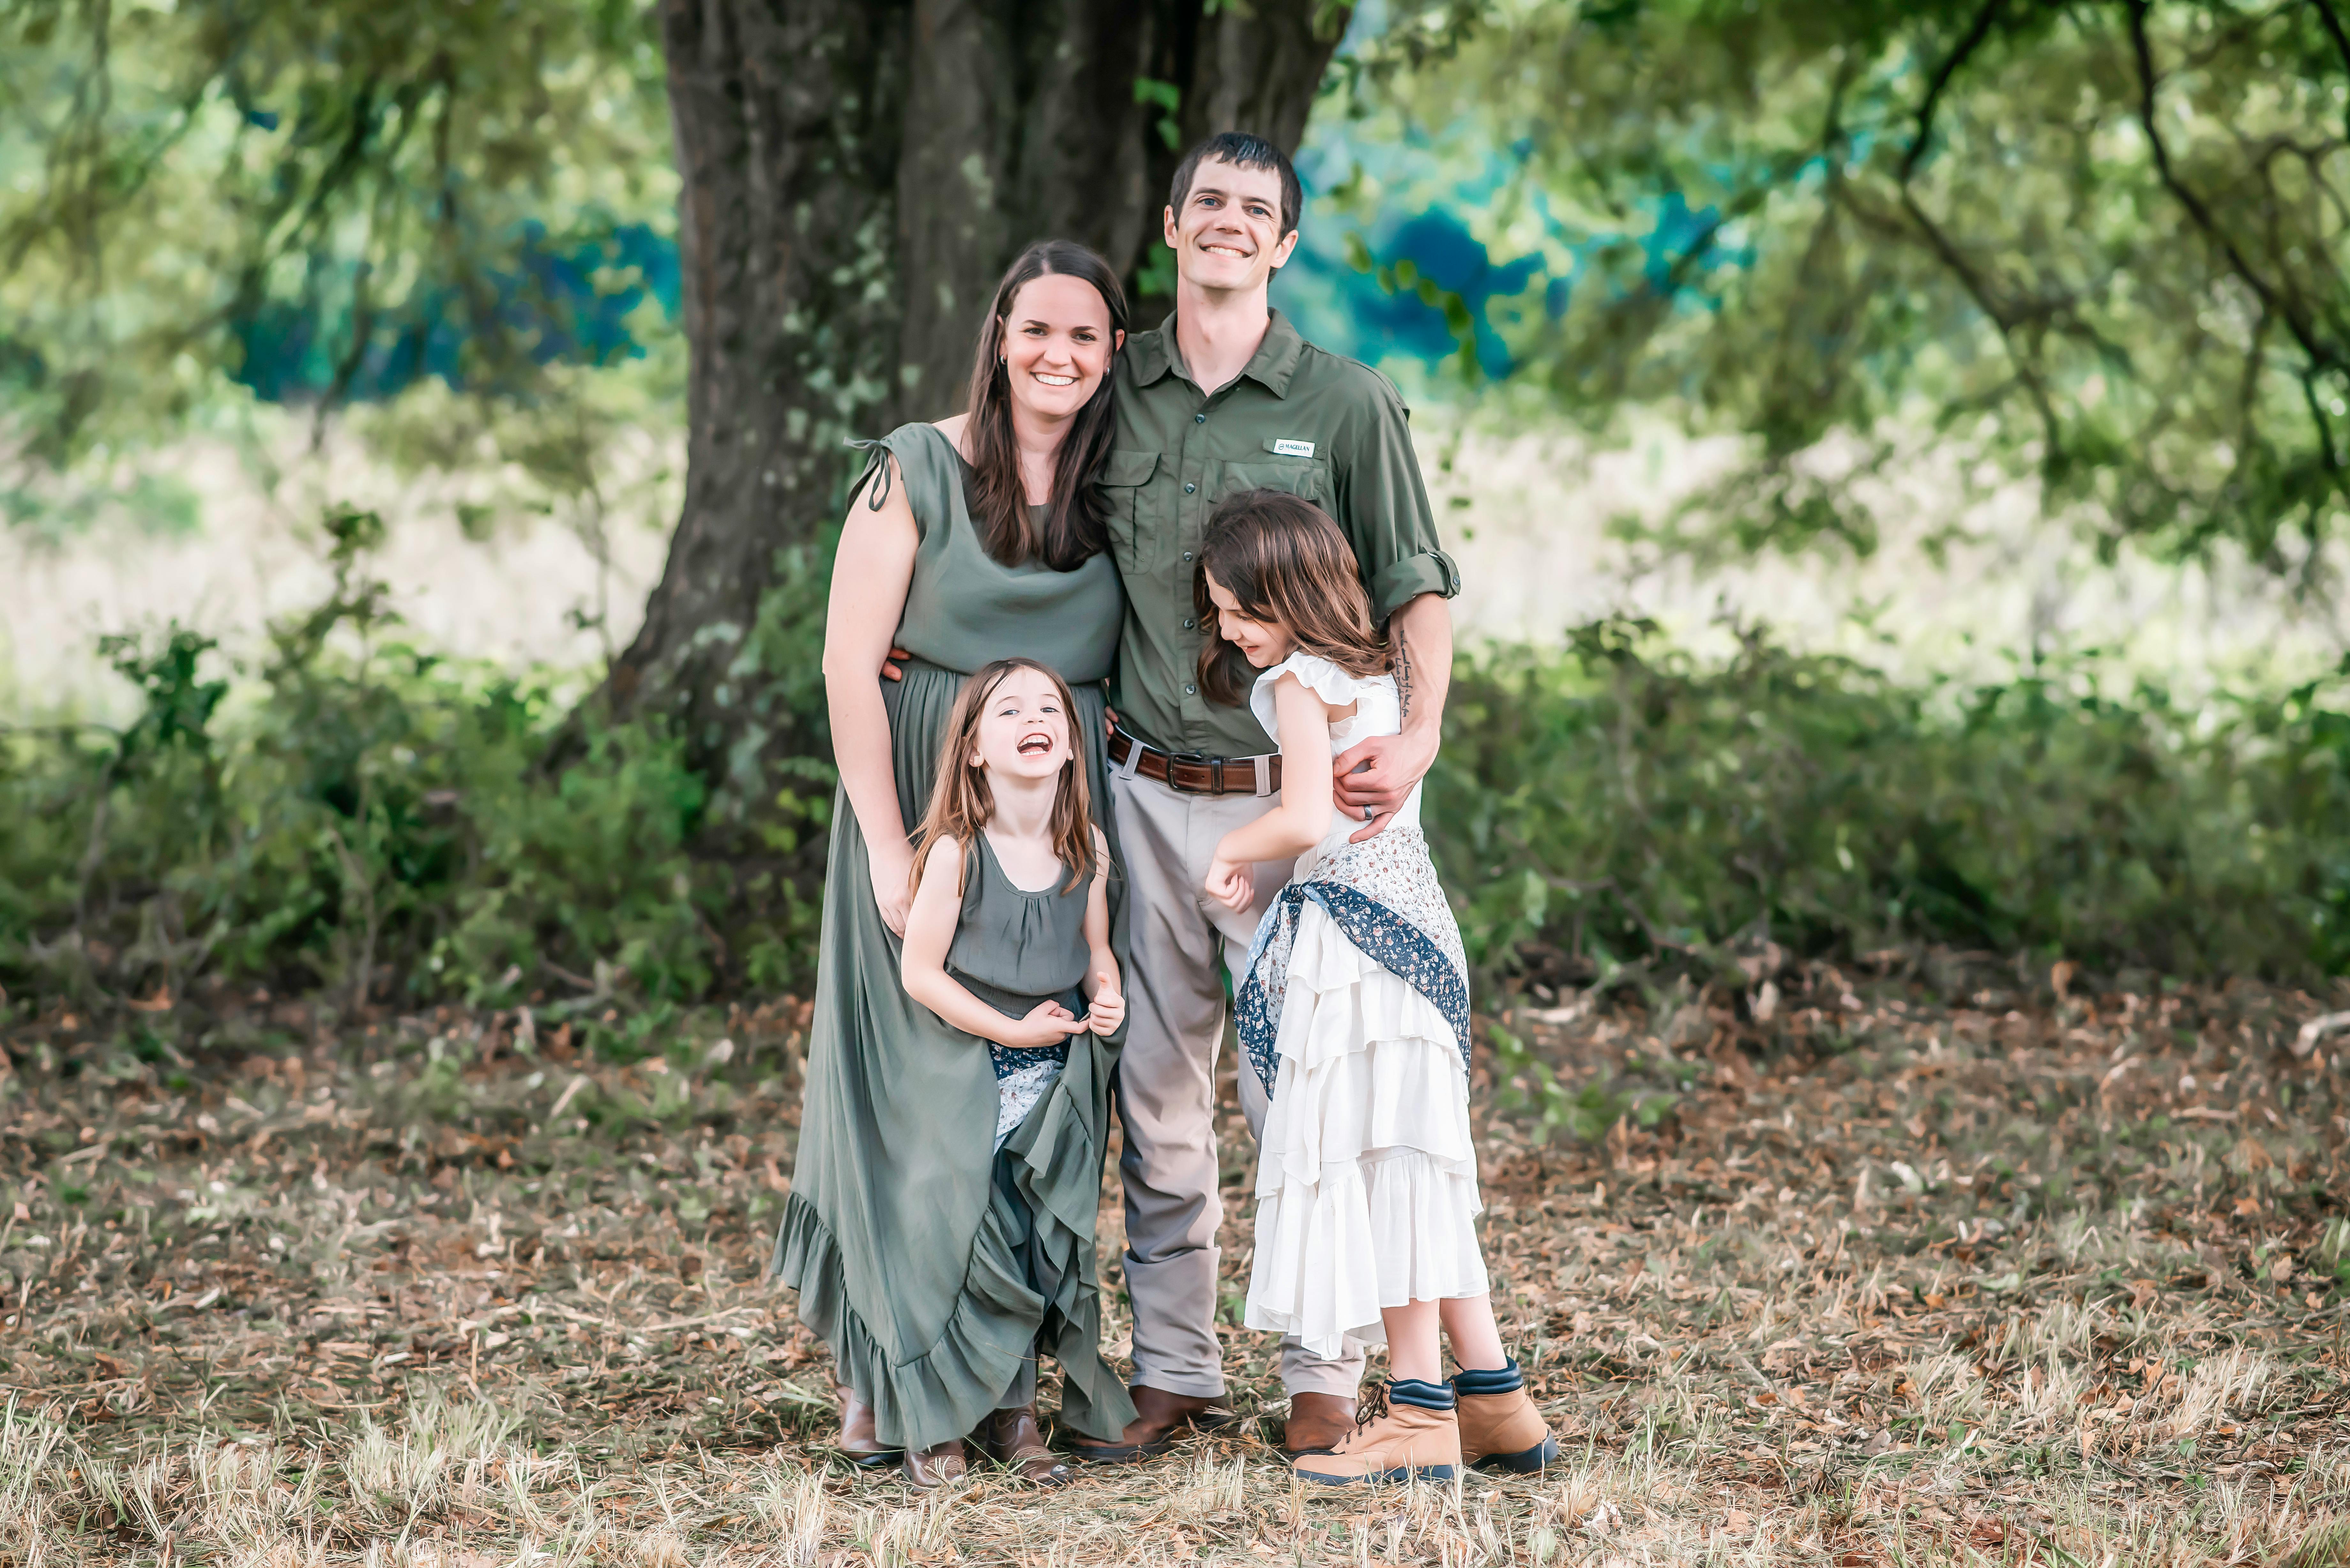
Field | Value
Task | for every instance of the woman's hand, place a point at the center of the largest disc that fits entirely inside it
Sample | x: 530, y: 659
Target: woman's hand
x: 1230, y: 884
x: 892, y: 870
x: 1047, y: 1023
x: 1106, y: 1009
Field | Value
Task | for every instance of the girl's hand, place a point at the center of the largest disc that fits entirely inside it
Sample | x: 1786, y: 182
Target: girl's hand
x: 1047, y: 1023
x: 1230, y: 884
x: 892, y: 870
x: 1105, y: 1010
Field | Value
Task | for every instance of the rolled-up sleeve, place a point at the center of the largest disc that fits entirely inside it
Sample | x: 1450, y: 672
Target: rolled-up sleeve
x: 1383, y: 507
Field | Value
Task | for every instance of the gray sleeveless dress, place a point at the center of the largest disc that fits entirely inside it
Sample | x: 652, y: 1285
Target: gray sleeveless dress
x: 934, y: 1265
x: 1013, y: 949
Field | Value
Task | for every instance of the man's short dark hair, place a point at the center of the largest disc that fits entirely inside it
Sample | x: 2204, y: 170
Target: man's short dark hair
x: 1242, y: 150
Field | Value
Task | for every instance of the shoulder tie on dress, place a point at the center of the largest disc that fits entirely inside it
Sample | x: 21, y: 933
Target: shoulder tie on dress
x: 876, y: 456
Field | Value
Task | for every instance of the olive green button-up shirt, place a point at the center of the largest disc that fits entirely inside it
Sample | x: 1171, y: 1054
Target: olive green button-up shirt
x: 1297, y: 418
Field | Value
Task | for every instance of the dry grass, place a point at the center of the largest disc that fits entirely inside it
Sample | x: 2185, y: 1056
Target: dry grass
x: 1895, y: 1283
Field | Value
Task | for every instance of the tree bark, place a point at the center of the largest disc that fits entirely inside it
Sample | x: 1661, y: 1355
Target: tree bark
x: 856, y: 174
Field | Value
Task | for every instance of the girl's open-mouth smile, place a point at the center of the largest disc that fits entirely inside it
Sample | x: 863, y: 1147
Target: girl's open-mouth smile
x: 1034, y: 745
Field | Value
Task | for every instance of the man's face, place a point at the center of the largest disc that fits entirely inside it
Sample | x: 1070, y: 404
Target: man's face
x: 1228, y: 237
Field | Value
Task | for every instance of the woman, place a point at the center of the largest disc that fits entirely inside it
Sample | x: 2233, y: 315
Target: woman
x: 934, y: 1266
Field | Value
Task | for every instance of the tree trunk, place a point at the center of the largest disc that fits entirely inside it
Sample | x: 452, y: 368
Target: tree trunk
x: 857, y: 175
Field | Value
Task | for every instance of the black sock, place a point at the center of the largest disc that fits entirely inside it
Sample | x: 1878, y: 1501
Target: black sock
x: 1426, y: 1396
x: 1505, y: 1379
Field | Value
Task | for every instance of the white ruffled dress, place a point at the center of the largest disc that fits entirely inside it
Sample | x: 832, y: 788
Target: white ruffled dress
x: 1367, y: 1178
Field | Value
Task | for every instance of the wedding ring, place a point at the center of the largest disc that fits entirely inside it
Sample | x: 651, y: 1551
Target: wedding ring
x: 1369, y: 814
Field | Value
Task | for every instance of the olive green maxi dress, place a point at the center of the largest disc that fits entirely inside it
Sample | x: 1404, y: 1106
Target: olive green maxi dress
x: 913, y: 1263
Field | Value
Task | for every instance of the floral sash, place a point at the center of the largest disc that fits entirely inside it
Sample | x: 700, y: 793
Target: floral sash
x: 1384, y: 895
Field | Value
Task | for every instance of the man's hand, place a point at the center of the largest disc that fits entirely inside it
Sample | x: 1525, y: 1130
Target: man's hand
x: 1379, y: 773
x: 892, y: 668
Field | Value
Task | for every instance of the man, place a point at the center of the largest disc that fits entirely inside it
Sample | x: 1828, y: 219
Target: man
x: 1226, y: 397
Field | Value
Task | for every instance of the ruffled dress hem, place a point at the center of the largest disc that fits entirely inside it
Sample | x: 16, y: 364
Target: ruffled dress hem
x: 945, y: 1391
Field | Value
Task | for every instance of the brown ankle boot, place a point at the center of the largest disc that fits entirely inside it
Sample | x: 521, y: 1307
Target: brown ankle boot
x: 1395, y: 1439
x: 1503, y: 1431
x: 1012, y: 1439
x: 928, y: 1469
x: 856, y: 1438
x: 1317, y: 1422
x: 1159, y: 1416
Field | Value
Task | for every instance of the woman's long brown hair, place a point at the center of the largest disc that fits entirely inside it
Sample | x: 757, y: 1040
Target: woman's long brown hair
x: 961, y: 801
x: 1075, y: 531
x: 1286, y: 563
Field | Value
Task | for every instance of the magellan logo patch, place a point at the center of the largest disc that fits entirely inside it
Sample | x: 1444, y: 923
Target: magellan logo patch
x: 1294, y: 448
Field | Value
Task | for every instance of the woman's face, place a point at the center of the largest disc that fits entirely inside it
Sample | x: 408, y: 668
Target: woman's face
x: 1056, y: 345
x: 1024, y: 729
x: 1261, y: 642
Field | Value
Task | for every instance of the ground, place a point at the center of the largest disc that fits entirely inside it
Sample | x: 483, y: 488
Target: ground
x: 1936, y: 1263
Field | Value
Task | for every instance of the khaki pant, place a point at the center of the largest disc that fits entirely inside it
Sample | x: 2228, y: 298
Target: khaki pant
x: 1165, y: 1089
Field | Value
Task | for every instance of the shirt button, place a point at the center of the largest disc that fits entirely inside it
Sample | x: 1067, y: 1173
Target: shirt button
x: 1188, y: 623
x: 1191, y: 691
x: 1200, y: 418
x: 1187, y: 555
x: 1189, y: 488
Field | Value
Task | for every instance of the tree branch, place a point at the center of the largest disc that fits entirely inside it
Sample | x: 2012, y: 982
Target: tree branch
x: 2322, y: 356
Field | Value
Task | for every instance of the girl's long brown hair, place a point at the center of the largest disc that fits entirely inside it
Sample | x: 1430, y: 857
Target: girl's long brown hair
x: 1286, y: 563
x: 1076, y: 530
x: 961, y: 801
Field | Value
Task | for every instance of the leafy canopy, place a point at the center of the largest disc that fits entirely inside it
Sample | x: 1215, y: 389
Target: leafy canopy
x: 360, y: 189
x: 2099, y: 243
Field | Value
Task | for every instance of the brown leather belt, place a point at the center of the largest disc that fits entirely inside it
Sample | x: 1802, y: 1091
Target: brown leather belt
x: 1188, y: 773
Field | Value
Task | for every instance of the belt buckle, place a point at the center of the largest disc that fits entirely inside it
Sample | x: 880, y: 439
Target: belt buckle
x: 1201, y: 758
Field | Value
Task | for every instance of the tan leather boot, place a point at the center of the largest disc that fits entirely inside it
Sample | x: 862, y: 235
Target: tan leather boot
x: 1317, y: 1422
x: 857, y: 1440
x: 1506, y: 1432
x: 1395, y: 1439
x: 1500, y: 1427
x: 1012, y: 1439
x: 927, y: 1468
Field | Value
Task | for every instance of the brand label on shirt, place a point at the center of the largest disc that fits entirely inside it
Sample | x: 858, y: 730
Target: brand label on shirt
x: 1294, y: 448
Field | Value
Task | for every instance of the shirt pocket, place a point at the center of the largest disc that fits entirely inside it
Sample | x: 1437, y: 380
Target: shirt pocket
x: 1125, y: 485
x: 1309, y: 477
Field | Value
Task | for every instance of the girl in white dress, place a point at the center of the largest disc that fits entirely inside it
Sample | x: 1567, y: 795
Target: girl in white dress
x: 1354, y: 1014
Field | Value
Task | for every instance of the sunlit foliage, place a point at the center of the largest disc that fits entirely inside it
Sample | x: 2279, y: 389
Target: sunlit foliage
x: 317, y: 198
x: 2097, y: 245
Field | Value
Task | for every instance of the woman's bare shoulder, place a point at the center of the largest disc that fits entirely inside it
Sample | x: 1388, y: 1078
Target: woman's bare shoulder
x: 953, y: 428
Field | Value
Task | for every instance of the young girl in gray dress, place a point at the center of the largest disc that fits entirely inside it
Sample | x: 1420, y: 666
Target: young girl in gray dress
x: 1007, y: 938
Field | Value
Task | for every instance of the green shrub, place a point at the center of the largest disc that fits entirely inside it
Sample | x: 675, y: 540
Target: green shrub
x: 374, y: 820
x: 1616, y: 801
x: 364, y: 819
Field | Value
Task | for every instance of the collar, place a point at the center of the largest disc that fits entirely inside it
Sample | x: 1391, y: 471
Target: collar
x: 1275, y: 360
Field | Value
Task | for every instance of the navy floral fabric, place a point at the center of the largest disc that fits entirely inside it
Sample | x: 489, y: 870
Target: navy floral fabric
x: 1384, y: 897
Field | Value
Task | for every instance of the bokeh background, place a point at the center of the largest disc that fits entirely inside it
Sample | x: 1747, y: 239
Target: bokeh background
x: 1894, y: 459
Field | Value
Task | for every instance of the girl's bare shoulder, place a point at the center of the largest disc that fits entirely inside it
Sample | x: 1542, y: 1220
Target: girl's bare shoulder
x: 943, y: 858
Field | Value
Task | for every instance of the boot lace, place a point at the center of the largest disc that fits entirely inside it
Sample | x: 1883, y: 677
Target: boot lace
x: 1372, y: 1409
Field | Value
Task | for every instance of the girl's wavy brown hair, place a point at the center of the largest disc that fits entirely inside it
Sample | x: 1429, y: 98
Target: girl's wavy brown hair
x: 1286, y: 563
x: 961, y: 803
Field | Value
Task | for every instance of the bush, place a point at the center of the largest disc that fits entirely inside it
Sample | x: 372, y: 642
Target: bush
x: 370, y: 820
x: 374, y: 820
x: 1616, y: 801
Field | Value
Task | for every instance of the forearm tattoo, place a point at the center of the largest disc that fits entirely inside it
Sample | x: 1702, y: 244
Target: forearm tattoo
x: 1403, y: 673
